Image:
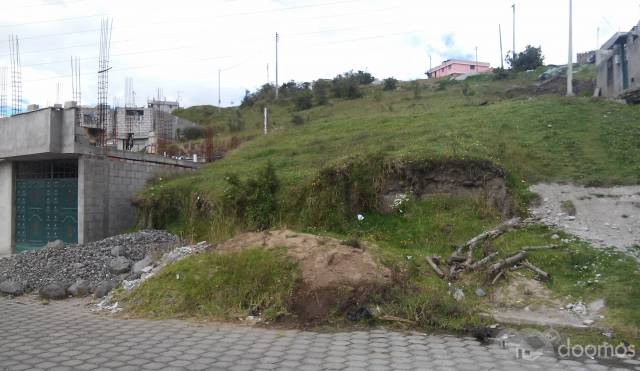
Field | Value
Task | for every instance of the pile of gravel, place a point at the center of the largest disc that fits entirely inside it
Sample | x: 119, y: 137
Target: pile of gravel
x: 57, y: 270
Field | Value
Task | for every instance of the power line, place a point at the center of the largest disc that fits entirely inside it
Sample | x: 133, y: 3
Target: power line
x: 52, y: 20
x: 191, y: 20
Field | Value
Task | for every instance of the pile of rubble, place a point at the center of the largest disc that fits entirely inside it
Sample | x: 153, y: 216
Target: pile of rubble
x: 57, y: 271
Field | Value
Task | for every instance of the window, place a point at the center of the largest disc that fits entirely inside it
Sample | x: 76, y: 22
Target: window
x: 472, y: 67
x: 449, y: 66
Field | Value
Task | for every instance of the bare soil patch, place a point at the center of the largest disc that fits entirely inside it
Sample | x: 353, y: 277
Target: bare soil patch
x: 603, y: 216
x: 334, y: 276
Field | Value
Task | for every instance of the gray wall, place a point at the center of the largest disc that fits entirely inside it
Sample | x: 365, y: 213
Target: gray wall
x: 106, y: 187
x: 6, y: 208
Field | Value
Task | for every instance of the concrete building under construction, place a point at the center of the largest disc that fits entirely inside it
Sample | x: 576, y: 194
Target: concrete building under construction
x: 56, y: 182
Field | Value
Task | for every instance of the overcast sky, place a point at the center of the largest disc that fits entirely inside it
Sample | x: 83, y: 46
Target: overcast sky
x: 179, y: 46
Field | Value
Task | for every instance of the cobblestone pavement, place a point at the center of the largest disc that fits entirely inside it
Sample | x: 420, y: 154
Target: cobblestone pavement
x: 66, y: 335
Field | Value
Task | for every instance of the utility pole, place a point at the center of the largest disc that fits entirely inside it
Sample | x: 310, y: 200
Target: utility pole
x: 266, y: 119
x: 501, y: 56
x: 570, y: 62
x: 514, y: 32
x: 219, y: 99
x: 476, y: 59
x: 268, y: 74
x: 277, y: 39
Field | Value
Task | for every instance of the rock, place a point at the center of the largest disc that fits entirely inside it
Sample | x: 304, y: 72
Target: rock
x: 79, y: 288
x: 140, y: 266
x: 555, y: 237
x: 57, y: 244
x: 54, y: 290
x: 480, y: 292
x: 103, y: 289
x: 117, y: 251
x: 77, y: 265
x: 10, y: 287
x: 130, y: 285
x: 588, y: 322
x: 359, y: 314
x: 119, y: 265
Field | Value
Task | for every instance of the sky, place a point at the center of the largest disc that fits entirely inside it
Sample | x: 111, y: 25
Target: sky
x: 182, y: 47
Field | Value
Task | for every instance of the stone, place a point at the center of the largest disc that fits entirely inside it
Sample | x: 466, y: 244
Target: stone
x: 103, y: 289
x: 588, y: 322
x: 57, y: 244
x: 79, y: 288
x: 54, y: 290
x: 139, y: 266
x: 117, y: 251
x: 10, y: 287
x: 480, y: 292
x: 119, y: 265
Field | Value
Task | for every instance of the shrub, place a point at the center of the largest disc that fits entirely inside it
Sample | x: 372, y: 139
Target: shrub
x: 364, y: 78
x: 192, y: 133
x: 530, y: 59
x: 321, y: 89
x: 297, y: 120
x: 346, y: 86
x: 304, y: 100
x: 500, y: 74
x: 253, y: 200
x: 390, y: 83
x: 235, y: 123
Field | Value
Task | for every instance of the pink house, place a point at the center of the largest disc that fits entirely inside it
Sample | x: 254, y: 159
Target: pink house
x: 458, y: 67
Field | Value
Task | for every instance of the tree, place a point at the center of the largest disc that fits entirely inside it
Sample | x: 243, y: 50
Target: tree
x: 530, y: 59
x: 321, y: 89
x: 303, y: 100
x: 390, y: 83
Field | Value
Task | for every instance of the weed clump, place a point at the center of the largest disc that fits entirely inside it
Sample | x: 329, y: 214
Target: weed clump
x: 253, y: 201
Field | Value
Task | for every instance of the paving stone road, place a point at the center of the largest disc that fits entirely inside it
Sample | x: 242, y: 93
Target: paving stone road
x: 67, y: 336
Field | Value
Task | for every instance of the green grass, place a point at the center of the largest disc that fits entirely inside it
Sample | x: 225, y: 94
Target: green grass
x: 219, y: 286
x: 347, y: 144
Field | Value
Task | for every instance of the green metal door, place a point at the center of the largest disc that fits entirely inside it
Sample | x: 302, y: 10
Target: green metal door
x: 46, y: 203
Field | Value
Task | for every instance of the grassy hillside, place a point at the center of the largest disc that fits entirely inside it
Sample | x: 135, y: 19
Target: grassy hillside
x: 328, y: 161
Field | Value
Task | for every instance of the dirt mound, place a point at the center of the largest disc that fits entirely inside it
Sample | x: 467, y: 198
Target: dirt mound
x: 451, y: 177
x: 556, y: 85
x: 335, y: 276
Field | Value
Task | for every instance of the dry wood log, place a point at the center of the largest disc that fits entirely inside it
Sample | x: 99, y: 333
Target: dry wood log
x: 511, y: 260
x: 455, y: 259
x: 490, y: 234
x: 497, y: 277
x: 482, y: 262
x: 542, y: 274
x: 434, y: 266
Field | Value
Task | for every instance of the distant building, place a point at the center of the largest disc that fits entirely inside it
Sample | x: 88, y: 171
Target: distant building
x: 618, y: 62
x: 587, y: 57
x: 456, y: 67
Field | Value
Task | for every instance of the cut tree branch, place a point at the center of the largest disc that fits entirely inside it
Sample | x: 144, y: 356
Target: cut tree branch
x: 511, y: 260
x: 434, y: 266
x: 542, y: 274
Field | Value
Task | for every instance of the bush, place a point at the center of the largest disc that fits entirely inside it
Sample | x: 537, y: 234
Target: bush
x: 500, y: 74
x: 530, y: 59
x: 390, y: 83
x: 235, y: 123
x: 346, y: 86
x: 297, y: 120
x: 304, y: 100
x: 321, y: 89
x: 192, y: 133
x: 364, y: 78
x: 254, y: 200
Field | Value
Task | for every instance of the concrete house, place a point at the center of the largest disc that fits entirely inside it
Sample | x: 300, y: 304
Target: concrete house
x: 456, y: 67
x: 618, y: 63
x: 56, y: 184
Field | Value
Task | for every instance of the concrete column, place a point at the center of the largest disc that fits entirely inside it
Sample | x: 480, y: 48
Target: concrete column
x: 7, y: 209
x: 82, y: 170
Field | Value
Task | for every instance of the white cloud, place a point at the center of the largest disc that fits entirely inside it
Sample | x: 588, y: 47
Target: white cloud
x: 180, y: 46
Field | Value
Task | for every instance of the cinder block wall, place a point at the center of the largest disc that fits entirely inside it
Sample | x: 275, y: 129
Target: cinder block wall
x: 107, y: 185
